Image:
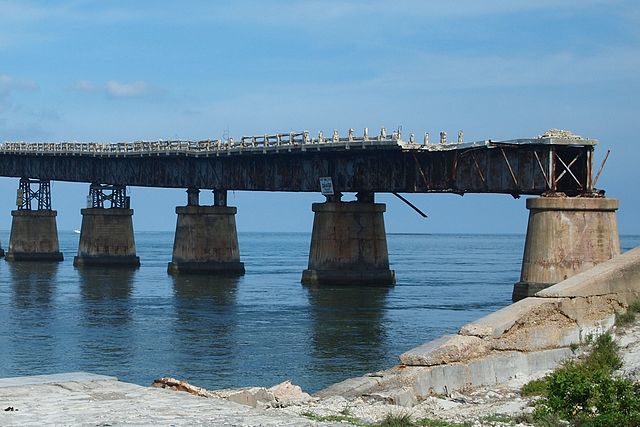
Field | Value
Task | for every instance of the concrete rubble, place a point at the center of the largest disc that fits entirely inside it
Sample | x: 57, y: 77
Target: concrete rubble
x: 283, y: 394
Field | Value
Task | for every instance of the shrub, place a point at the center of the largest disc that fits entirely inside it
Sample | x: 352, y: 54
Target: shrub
x: 584, y: 391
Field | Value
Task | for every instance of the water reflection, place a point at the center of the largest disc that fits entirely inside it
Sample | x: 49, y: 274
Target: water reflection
x: 98, y: 283
x: 33, y: 284
x: 33, y: 301
x: 106, y: 317
x: 205, y: 322
x: 348, y: 326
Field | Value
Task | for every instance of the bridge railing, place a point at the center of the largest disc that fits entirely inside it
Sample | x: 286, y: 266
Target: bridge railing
x: 260, y: 143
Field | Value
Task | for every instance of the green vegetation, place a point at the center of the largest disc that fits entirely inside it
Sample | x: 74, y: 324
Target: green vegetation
x: 492, y: 420
x: 406, y: 421
x: 585, y: 392
x: 390, y: 420
x: 334, y: 418
x: 628, y: 317
x: 535, y: 388
x: 396, y: 421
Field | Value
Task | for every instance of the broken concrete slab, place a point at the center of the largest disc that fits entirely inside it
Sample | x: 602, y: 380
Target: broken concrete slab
x: 586, y: 310
x: 350, y: 388
x: 496, y: 368
x: 496, y: 323
x: 447, y: 349
x: 619, y: 275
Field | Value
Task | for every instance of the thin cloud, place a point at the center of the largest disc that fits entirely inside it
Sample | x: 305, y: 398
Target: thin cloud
x: 9, y: 83
x: 135, y: 89
x: 374, y: 13
x: 83, y: 86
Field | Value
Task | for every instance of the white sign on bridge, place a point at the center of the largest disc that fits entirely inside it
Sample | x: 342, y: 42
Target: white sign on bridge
x: 326, y: 186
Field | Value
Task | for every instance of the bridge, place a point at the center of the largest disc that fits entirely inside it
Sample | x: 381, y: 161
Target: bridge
x: 295, y: 162
x: 348, y: 240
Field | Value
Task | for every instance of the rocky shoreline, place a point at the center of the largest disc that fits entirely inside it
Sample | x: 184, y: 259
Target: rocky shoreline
x: 478, y: 406
x: 89, y: 399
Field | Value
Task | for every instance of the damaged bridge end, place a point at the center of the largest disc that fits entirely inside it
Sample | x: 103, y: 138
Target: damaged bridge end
x: 573, y: 282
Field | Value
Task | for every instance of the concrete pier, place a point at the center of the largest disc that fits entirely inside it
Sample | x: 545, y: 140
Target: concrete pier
x: 34, y: 236
x: 106, y: 238
x: 206, y: 241
x: 565, y: 236
x: 348, y: 245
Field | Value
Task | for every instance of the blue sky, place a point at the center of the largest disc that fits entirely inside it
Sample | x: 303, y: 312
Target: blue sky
x: 120, y: 71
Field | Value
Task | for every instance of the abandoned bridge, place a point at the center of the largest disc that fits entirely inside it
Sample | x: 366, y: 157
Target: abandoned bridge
x: 348, y: 240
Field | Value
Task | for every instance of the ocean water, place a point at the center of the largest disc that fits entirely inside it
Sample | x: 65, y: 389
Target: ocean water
x: 258, y: 329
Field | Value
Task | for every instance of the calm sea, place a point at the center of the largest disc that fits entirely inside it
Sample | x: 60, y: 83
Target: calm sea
x: 259, y: 329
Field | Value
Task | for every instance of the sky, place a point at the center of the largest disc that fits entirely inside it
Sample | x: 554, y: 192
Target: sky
x: 122, y: 71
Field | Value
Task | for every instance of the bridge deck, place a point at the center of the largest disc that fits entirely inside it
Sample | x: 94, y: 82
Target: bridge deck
x: 295, y: 162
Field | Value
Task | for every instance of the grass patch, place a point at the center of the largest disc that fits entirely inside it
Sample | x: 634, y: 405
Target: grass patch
x: 535, y: 388
x: 585, y: 393
x: 392, y: 420
x: 629, y: 316
x: 492, y: 420
x: 405, y: 420
x: 428, y: 422
x: 334, y: 418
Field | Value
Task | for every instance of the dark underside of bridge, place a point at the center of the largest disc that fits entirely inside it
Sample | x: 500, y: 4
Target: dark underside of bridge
x: 500, y: 168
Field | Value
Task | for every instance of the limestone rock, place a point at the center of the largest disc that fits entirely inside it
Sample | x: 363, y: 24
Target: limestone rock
x: 251, y: 396
x: 286, y: 394
x: 399, y: 396
x: 447, y: 349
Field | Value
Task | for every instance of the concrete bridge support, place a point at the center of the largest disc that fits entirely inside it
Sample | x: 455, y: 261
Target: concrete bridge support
x: 106, y: 235
x: 565, y: 236
x: 206, y: 239
x: 349, y: 244
x: 34, y: 235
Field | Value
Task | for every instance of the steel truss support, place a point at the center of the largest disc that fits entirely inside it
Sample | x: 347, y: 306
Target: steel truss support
x: 115, y: 195
x: 26, y: 195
